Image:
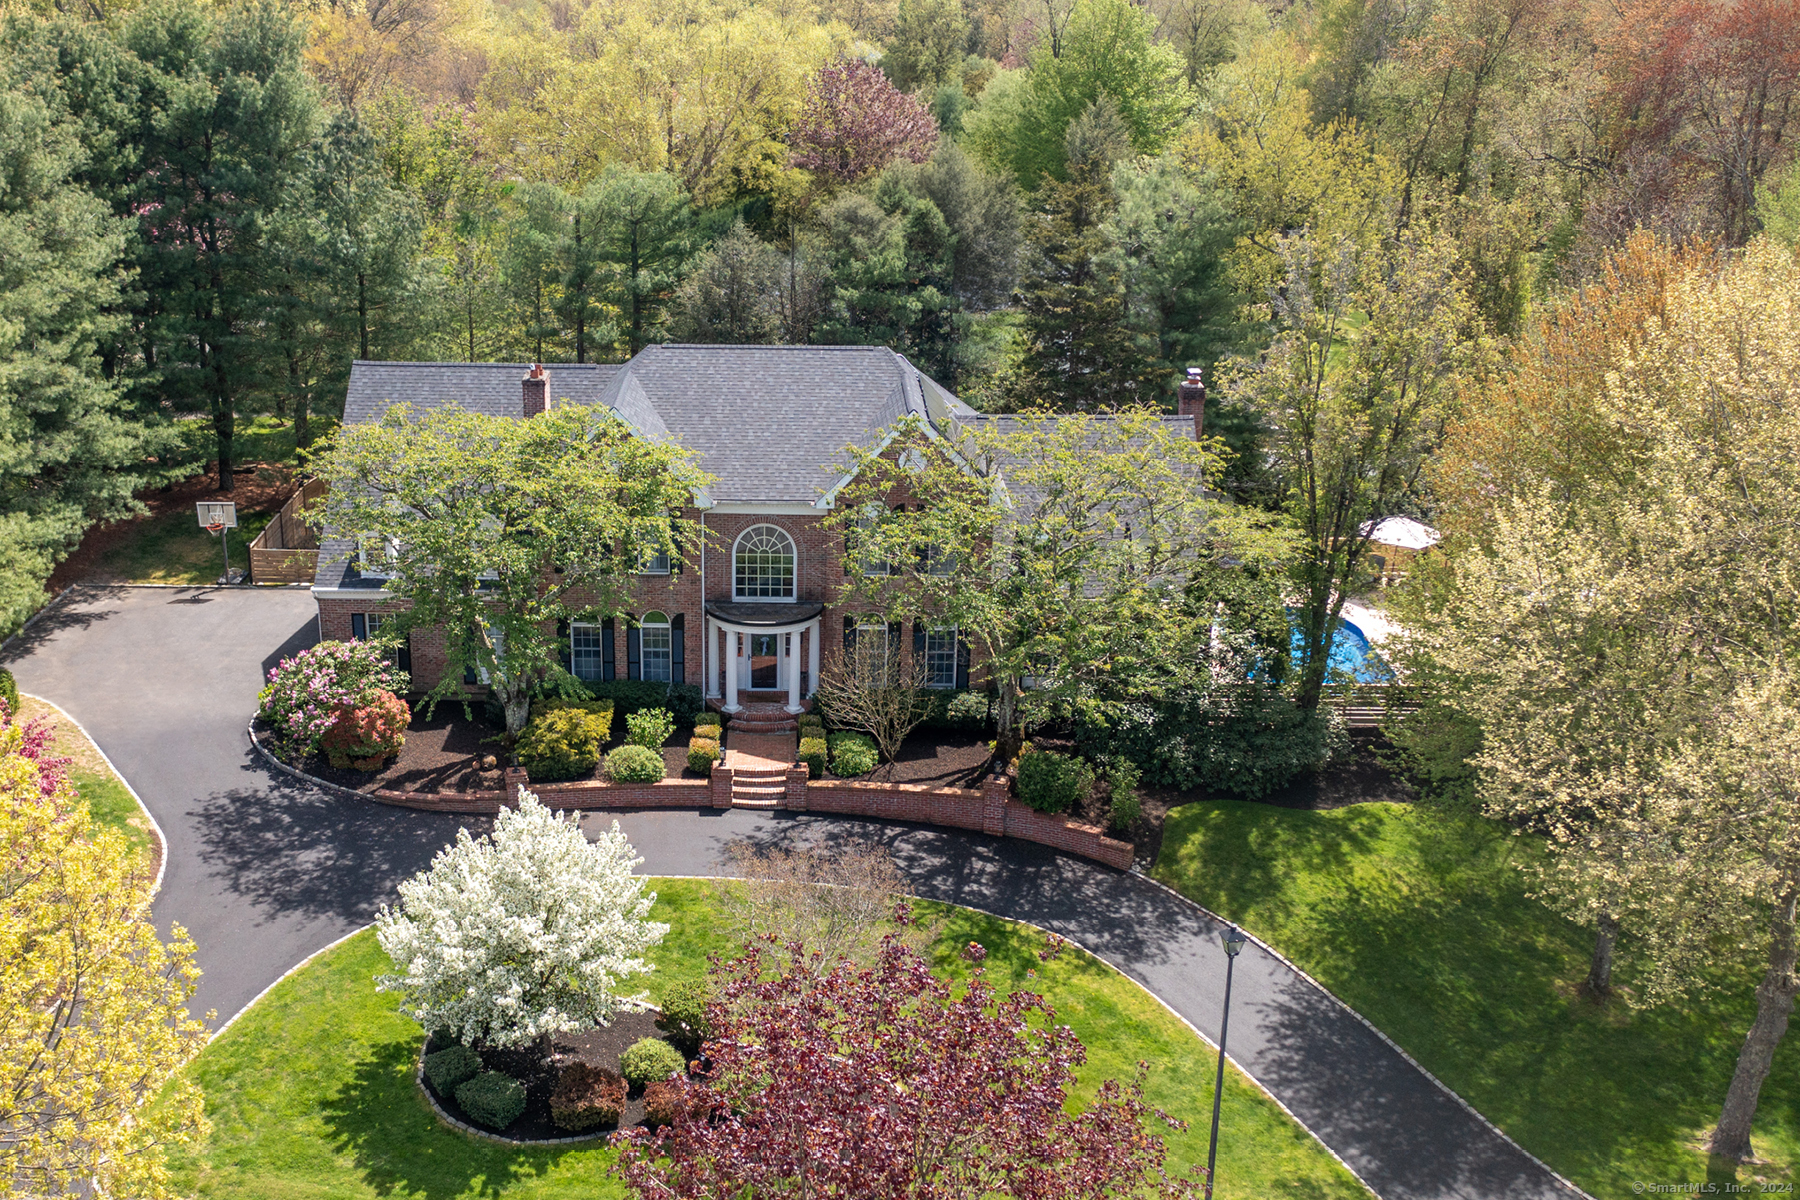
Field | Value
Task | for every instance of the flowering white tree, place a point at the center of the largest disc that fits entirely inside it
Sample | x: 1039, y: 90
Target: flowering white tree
x: 520, y: 934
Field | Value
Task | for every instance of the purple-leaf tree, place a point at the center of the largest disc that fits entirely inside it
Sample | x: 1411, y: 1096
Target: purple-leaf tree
x: 855, y: 122
x: 886, y: 1082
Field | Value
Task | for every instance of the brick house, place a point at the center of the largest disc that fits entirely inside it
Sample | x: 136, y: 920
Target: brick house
x: 754, y: 615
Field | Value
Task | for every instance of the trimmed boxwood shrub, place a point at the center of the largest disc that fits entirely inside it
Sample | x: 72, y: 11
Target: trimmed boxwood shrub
x: 812, y: 721
x: 649, y: 727
x: 852, y: 754
x: 635, y: 764
x: 450, y: 1068
x: 682, y: 699
x: 813, y: 752
x: 702, y: 754
x: 586, y: 1096
x: 649, y: 1059
x: 9, y: 692
x: 663, y: 1102
x: 1052, y: 782
x: 492, y: 1099
x: 683, y: 1019
x: 563, y: 743
x: 705, y: 721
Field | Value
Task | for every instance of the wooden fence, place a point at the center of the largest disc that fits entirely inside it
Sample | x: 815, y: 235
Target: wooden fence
x: 287, y: 550
x: 1366, y: 705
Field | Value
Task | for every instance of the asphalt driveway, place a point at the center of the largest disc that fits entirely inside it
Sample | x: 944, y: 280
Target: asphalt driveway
x: 262, y: 872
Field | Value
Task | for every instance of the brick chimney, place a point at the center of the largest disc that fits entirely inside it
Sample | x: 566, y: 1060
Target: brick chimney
x: 1190, y: 400
x: 537, y: 390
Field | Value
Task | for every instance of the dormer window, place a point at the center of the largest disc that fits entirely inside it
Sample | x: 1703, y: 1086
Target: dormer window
x: 763, y: 564
x: 380, y: 564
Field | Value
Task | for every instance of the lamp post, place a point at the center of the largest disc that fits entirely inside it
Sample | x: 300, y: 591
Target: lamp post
x: 1234, y: 941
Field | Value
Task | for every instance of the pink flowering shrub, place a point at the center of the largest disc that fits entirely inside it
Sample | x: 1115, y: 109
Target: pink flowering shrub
x: 34, y: 741
x: 306, y: 692
x: 364, y: 736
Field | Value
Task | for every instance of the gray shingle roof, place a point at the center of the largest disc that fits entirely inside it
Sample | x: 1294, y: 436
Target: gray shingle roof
x: 770, y: 423
x: 491, y: 388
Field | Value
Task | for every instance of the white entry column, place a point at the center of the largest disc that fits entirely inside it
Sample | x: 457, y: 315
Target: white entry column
x: 711, y: 657
x: 731, y: 674
x: 790, y: 665
x: 812, y: 656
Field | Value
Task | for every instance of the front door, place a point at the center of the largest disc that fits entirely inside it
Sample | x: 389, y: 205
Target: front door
x: 765, y: 661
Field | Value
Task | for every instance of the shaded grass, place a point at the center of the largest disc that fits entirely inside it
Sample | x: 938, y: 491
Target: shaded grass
x: 171, y: 547
x: 311, y: 1093
x: 112, y: 806
x: 263, y: 438
x: 1420, y: 921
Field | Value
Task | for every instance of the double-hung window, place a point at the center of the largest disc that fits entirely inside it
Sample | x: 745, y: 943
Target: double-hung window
x: 940, y: 657
x: 585, y: 652
x: 656, y: 644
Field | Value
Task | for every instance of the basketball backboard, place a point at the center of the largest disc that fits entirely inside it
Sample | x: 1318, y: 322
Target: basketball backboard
x: 216, y: 512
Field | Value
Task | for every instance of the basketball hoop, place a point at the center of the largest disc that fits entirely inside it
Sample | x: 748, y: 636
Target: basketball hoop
x: 217, y: 527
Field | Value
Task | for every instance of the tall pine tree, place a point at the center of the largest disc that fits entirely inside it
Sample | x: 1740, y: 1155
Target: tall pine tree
x: 1081, y: 353
x: 71, y: 452
x: 228, y: 120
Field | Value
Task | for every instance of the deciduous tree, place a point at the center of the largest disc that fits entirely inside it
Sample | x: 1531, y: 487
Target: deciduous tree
x: 886, y: 1082
x: 94, y: 1001
x: 496, y: 529
x: 854, y: 122
x: 1063, y: 549
x: 1354, y: 392
x: 522, y: 933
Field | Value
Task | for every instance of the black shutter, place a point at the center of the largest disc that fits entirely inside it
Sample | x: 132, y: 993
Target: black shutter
x: 849, y: 634
x: 359, y: 627
x: 677, y: 668
x: 606, y: 650
x: 919, y: 641
x: 633, y: 668
x: 894, y: 633
x: 962, y: 661
x: 566, y: 650
x: 404, y: 658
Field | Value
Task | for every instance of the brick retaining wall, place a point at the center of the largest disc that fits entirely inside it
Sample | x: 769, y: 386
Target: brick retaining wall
x: 990, y: 810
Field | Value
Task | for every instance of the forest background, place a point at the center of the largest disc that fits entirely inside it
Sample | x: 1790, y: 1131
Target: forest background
x: 207, y: 211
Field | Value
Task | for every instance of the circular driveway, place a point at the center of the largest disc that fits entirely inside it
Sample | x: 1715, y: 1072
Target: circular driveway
x: 263, y: 871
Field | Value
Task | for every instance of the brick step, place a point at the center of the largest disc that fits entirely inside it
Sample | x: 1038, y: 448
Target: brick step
x: 759, y: 778
x: 758, y: 789
x: 769, y: 802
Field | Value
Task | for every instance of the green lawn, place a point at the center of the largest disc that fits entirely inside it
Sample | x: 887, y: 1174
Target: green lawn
x: 310, y: 1093
x: 171, y: 548
x: 1421, y: 923
x: 109, y: 802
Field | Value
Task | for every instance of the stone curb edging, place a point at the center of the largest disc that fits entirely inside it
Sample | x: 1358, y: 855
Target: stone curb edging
x: 162, y: 840
x: 1283, y: 959
x: 293, y: 970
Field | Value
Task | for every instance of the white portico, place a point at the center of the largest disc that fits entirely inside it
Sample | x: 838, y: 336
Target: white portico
x: 762, y: 648
x: 760, y: 635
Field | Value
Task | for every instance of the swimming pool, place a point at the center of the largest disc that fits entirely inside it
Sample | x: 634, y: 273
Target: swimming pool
x: 1351, y: 654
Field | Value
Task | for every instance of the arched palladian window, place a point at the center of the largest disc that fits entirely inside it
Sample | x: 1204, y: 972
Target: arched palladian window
x: 657, y: 644
x: 763, y: 565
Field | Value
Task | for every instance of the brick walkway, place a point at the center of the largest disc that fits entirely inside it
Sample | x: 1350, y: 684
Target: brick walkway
x: 772, y: 749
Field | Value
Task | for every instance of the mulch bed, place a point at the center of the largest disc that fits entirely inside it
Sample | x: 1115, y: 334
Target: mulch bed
x: 446, y: 753
x: 939, y: 758
x: 596, y: 1048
